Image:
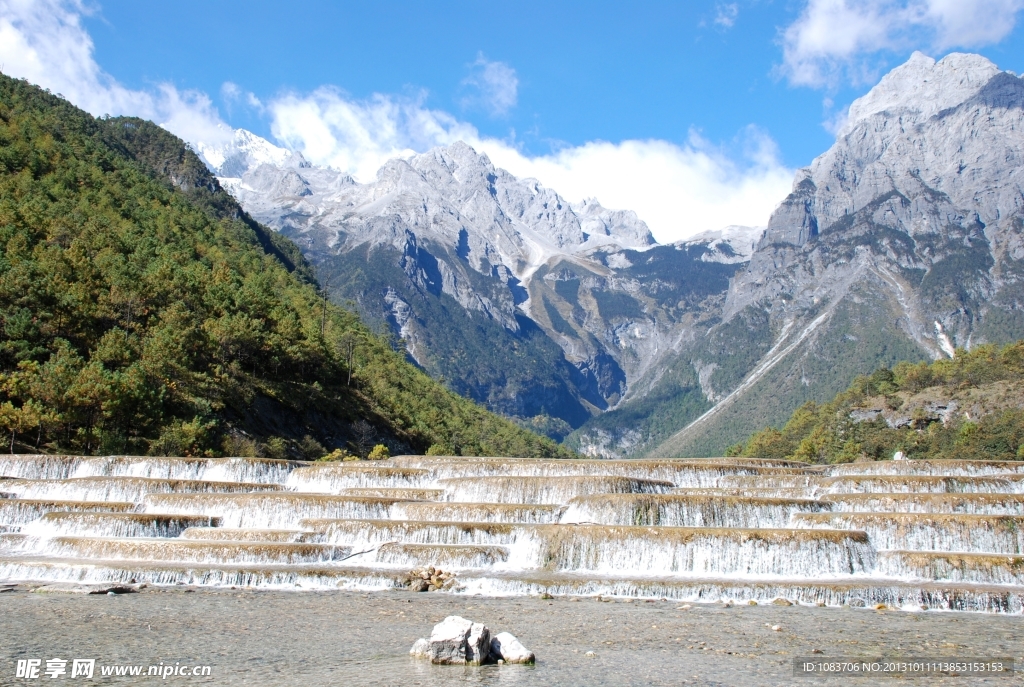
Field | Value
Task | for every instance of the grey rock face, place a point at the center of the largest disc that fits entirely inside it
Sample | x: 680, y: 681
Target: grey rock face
x: 925, y: 177
x: 904, y: 240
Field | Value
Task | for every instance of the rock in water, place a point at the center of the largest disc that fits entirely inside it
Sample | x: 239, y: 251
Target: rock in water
x: 455, y: 641
x: 421, y: 649
x: 509, y: 649
x: 478, y: 644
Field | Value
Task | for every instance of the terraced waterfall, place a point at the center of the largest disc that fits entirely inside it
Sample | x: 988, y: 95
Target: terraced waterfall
x: 916, y: 535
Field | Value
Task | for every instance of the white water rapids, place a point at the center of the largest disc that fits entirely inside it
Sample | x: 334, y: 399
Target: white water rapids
x: 928, y: 534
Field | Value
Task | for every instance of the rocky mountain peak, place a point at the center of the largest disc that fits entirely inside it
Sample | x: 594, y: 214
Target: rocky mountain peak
x: 246, y: 151
x: 932, y: 132
x: 924, y: 87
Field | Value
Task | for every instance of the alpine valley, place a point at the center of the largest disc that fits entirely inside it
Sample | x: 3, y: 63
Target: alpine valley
x: 904, y: 241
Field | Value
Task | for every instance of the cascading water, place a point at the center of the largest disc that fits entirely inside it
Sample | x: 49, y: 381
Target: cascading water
x: 926, y: 533
x: 131, y: 489
x: 1002, y: 534
x: 558, y: 490
x: 100, y: 524
x: 686, y: 510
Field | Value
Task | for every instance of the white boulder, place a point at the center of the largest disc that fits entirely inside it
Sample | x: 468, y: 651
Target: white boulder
x: 509, y: 649
x: 421, y: 649
x: 455, y: 641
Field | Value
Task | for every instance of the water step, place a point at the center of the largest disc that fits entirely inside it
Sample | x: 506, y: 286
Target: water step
x: 645, y: 550
x: 956, y: 567
x: 125, y: 488
x: 270, y: 510
x: 443, y: 556
x: 805, y: 480
x: 939, y: 468
x: 1002, y: 534
x: 388, y: 493
x: 17, y: 512
x: 751, y: 492
x: 904, y: 484
x: 363, y: 534
x: 700, y: 551
x: 90, y: 571
x: 258, y: 470
x: 184, y: 550
x: 679, y: 472
x: 116, y: 524
x: 254, y: 535
x: 38, y: 466
x: 11, y: 540
x: 98, y: 524
x: 686, y: 510
x: 480, y: 512
x: 552, y: 490
x: 969, y: 504
x: 330, y: 478
x: 865, y: 592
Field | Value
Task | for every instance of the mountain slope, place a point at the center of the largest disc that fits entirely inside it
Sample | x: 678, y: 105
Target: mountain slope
x: 903, y: 241
x: 967, y: 408
x: 144, y: 311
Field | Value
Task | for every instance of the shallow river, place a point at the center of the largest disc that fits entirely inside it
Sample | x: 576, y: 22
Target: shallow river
x: 345, y: 638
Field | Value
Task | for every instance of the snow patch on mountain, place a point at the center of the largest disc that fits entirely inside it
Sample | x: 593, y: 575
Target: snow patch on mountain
x: 243, y: 152
x: 729, y: 245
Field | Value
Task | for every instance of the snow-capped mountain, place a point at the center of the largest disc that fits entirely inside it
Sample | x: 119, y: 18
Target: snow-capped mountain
x: 565, y: 290
x: 902, y: 241
x: 245, y: 151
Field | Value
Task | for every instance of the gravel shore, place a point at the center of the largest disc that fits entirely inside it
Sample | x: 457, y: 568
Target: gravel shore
x: 347, y: 638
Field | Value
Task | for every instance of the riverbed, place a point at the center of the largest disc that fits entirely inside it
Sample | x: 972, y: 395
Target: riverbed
x: 259, y: 637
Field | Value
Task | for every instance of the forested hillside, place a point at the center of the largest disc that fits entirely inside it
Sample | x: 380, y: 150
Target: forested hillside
x: 143, y: 311
x: 970, y: 407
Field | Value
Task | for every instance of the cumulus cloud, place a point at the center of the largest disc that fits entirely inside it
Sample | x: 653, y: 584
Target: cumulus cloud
x: 679, y: 190
x: 44, y: 41
x: 725, y: 15
x: 358, y: 136
x: 495, y: 86
x: 836, y: 39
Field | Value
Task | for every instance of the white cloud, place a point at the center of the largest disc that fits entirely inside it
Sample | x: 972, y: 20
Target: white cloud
x: 44, y: 41
x: 679, y: 190
x: 232, y: 93
x: 833, y: 39
x: 496, y: 86
x: 358, y: 137
x: 726, y: 14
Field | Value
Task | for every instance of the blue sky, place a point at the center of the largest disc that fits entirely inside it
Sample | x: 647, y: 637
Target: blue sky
x: 693, y: 114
